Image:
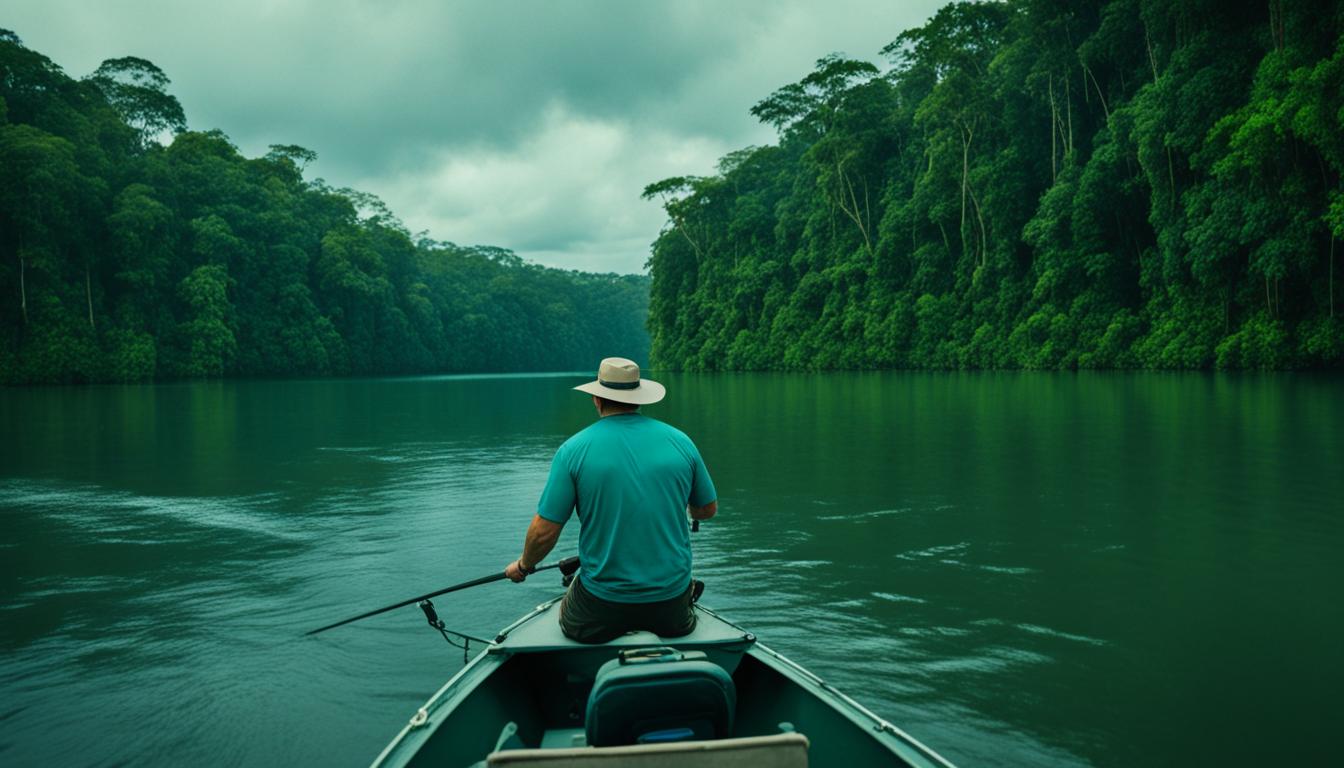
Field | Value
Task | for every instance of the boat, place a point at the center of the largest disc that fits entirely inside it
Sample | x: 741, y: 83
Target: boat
x: 715, y: 697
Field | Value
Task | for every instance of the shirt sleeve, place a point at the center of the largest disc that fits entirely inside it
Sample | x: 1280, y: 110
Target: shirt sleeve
x: 702, y: 488
x: 558, y: 497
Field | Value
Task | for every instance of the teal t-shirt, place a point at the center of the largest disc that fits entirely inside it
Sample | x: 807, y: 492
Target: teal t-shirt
x: 630, y: 477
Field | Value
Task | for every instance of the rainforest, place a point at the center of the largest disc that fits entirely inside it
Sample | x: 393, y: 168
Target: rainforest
x: 134, y: 249
x: 1027, y: 184
x: 1021, y: 184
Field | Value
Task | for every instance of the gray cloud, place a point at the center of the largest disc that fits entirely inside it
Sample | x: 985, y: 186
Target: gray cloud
x: 530, y: 125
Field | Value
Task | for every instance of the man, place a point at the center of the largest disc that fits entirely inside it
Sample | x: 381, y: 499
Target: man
x: 633, y: 480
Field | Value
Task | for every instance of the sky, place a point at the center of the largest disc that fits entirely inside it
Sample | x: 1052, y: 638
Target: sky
x: 532, y: 126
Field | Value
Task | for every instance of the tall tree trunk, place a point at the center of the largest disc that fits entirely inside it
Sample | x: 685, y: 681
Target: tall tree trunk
x: 984, y: 247
x: 680, y: 226
x: 1061, y: 124
x: 965, y: 168
x: 1276, y: 23
x: 88, y: 295
x: 1104, y: 110
x: 682, y: 229
x: 858, y: 220
x: 1332, y: 277
x: 852, y: 209
x: 1068, y: 109
x: 1152, y: 60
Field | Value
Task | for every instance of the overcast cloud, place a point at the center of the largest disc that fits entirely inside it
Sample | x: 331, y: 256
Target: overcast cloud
x: 528, y: 125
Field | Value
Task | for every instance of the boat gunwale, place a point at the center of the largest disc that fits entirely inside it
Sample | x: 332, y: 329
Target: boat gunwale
x: 826, y: 691
x: 441, y: 697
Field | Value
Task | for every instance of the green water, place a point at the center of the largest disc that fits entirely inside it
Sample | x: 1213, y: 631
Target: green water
x: 1026, y: 569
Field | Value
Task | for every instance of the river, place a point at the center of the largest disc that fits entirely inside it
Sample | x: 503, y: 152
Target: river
x: 1018, y: 569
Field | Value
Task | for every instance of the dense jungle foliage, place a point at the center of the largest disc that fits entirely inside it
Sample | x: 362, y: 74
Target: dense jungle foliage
x: 1034, y: 184
x: 123, y: 258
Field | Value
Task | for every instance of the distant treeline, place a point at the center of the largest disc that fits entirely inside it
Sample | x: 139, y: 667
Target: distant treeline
x: 1031, y: 184
x: 124, y: 259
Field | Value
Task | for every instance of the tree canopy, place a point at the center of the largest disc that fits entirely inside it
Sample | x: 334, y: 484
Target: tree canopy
x: 1029, y: 184
x: 132, y: 248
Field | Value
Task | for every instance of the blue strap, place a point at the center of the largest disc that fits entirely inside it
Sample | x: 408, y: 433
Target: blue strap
x: 666, y: 735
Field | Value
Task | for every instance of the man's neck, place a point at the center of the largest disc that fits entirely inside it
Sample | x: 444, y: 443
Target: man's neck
x: 615, y: 412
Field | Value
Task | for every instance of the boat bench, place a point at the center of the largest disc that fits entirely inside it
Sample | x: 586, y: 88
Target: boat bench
x: 541, y: 633
x: 785, y: 750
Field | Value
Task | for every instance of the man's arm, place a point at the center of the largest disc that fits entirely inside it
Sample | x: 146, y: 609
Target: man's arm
x: 541, y: 537
x: 705, y: 512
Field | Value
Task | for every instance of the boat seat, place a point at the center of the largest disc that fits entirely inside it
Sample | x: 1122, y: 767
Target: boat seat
x: 659, y: 694
x: 540, y: 633
x: 785, y: 750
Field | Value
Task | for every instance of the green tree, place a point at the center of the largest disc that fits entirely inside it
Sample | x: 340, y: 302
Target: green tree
x: 133, y: 249
x: 206, y: 334
x: 1108, y: 183
x: 138, y: 90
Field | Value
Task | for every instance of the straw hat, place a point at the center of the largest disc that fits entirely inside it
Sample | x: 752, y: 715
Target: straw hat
x: 618, y: 379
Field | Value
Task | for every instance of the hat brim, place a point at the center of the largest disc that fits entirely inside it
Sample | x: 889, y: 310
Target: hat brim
x: 647, y: 393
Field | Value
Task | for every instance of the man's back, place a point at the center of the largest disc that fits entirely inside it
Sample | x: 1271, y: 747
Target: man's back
x: 633, y: 480
x: 630, y: 478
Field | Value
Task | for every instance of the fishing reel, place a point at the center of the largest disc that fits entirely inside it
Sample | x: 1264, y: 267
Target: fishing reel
x: 569, y: 567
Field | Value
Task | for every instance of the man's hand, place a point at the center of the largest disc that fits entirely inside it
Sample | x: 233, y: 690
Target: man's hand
x: 541, y: 537
x: 515, y: 572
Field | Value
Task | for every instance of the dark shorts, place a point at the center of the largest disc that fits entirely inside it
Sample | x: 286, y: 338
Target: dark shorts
x: 590, y: 619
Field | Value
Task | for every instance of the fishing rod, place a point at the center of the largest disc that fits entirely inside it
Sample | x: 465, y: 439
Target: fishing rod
x: 567, y: 566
